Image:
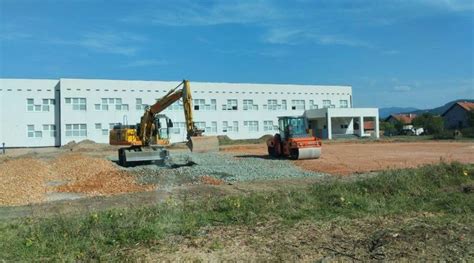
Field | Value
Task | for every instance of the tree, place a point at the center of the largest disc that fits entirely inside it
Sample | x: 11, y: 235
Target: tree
x: 431, y: 124
x: 388, y: 128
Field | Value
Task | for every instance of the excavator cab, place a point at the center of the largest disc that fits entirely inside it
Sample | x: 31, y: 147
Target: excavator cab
x: 294, y: 140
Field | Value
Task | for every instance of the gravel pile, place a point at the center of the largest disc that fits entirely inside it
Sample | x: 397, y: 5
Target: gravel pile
x: 227, y: 167
x: 22, y: 181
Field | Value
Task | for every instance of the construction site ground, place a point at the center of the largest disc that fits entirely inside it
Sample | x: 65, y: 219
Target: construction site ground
x: 84, y: 179
x: 76, y: 172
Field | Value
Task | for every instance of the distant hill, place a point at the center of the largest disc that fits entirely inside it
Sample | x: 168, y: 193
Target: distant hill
x: 439, y: 110
x: 385, y: 112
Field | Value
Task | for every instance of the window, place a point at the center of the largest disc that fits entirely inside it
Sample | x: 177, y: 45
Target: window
x: 248, y: 105
x: 235, y: 126
x: 76, y: 130
x: 230, y: 128
x: 213, y: 104
x: 106, y: 102
x: 32, y: 133
x: 343, y: 103
x: 200, y: 104
x: 77, y: 103
x: 252, y: 126
x: 176, y: 106
x: 44, y: 106
x: 31, y: 130
x: 105, y: 132
x: 297, y: 105
x: 273, y: 105
x: 283, y: 104
x: 225, y: 126
x: 268, y: 126
x: 49, y: 129
x: 30, y: 104
x: 231, y: 105
x: 201, y: 125
x: 98, y: 126
x: 139, y: 104
x: 312, y: 105
x: 326, y: 104
x: 214, y: 127
x: 177, y: 126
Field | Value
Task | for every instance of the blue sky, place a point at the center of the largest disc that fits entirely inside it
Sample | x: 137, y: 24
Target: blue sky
x: 394, y: 53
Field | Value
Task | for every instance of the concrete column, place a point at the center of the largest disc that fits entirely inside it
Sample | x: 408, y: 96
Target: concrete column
x: 377, y: 129
x: 361, y: 126
x: 329, y: 126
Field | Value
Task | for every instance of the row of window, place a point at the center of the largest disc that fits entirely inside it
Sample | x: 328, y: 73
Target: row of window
x: 80, y: 129
x: 80, y: 104
x: 43, y: 130
x: 46, y: 105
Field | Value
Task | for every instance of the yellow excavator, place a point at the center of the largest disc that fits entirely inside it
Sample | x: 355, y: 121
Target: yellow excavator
x: 147, y: 140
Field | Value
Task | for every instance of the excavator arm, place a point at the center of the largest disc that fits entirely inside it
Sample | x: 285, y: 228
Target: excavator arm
x: 147, y: 121
x: 196, y: 142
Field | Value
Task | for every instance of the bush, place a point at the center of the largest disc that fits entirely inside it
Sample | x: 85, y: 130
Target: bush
x: 430, y: 123
x: 444, y: 135
x: 468, y: 132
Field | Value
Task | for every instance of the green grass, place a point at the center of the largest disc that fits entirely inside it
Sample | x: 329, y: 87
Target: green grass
x: 444, y: 189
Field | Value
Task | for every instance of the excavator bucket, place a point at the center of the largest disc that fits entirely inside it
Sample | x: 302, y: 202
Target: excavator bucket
x: 202, y: 144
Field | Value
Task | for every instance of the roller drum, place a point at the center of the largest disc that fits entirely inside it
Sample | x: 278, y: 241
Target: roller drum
x: 309, y: 153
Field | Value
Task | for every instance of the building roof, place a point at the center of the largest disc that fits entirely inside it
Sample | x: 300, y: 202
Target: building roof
x: 369, y: 125
x: 468, y: 106
x: 403, y: 118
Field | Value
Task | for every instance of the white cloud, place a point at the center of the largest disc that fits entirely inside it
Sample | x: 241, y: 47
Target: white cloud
x: 145, y: 63
x: 391, y: 52
x: 402, y: 88
x: 195, y: 13
x: 297, y: 36
x: 9, y: 32
x: 452, y: 5
x: 121, y: 43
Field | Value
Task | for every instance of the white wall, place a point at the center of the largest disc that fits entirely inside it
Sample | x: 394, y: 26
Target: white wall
x: 128, y: 91
x: 14, y: 114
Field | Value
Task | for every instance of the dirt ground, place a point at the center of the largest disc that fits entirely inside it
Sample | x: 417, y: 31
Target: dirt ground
x: 351, y: 157
x: 74, y: 171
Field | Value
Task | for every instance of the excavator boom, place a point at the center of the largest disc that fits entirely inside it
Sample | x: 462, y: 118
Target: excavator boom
x: 144, y: 137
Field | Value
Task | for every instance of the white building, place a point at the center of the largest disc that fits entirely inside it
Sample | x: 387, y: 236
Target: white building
x: 54, y: 112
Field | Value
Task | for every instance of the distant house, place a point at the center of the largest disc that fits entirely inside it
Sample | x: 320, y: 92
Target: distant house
x: 456, y: 116
x: 407, y: 121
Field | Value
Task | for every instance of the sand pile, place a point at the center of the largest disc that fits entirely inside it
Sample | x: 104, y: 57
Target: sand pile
x: 93, y: 176
x: 28, y: 180
x: 22, y: 181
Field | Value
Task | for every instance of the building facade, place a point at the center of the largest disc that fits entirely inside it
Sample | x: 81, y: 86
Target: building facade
x: 36, y: 113
x: 457, y: 116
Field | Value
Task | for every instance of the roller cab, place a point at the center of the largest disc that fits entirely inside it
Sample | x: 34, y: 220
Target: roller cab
x: 294, y: 141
